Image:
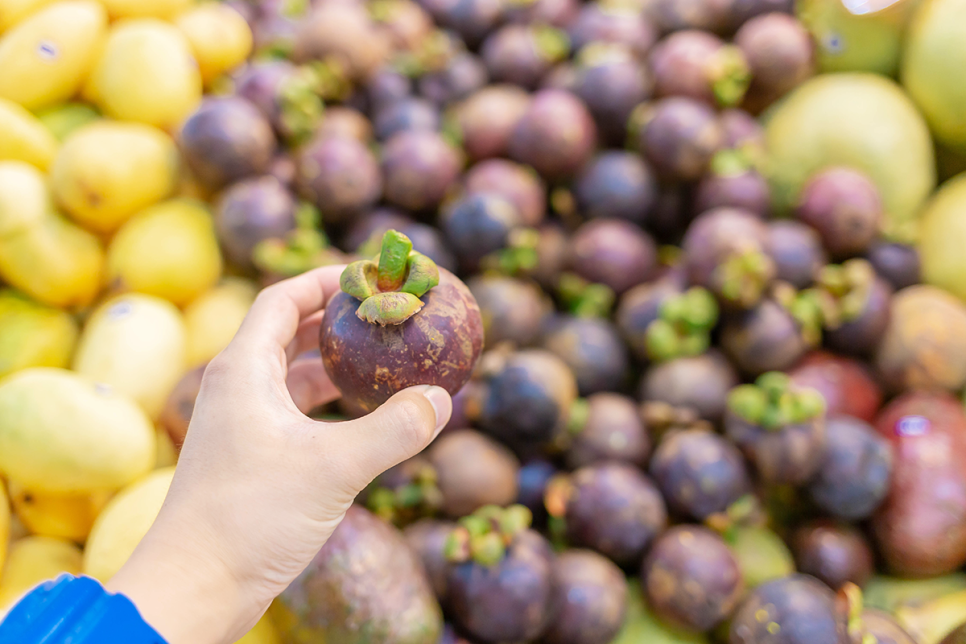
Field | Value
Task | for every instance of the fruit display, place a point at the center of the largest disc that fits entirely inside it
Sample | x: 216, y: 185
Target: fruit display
x: 692, y: 271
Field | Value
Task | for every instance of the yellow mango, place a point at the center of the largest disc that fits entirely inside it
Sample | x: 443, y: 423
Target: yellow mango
x: 46, y: 57
x: 136, y: 344
x: 13, y: 11
x: 262, y: 633
x: 33, y: 335
x: 24, y: 198
x: 65, y: 516
x: 219, y: 36
x: 167, y: 453
x: 107, y: 171
x: 146, y: 73
x: 62, y: 120
x: 32, y: 560
x: 23, y: 137
x: 123, y: 523
x: 62, y: 433
x: 215, y: 316
x: 4, y: 523
x: 164, y: 9
x: 169, y: 250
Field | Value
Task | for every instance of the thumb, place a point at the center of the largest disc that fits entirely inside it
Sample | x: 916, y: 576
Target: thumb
x: 398, y: 430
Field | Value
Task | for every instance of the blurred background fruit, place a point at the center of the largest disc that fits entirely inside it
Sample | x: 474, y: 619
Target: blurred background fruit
x: 32, y: 560
x: 33, y: 335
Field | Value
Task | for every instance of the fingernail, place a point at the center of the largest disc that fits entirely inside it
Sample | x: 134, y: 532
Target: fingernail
x: 440, y: 400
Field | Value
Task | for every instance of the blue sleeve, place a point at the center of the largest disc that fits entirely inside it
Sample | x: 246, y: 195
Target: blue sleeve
x: 75, y: 610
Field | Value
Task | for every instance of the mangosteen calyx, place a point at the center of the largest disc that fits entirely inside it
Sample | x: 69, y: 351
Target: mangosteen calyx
x: 730, y: 75
x: 390, y: 288
x: 847, y: 288
x: 745, y: 511
x: 300, y: 105
x: 683, y: 327
x: 417, y: 498
x: 811, y: 308
x: 773, y: 402
x: 484, y: 536
x: 519, y: 257
x: 661, y: 419
x: 585, y: 299
x: 302, y: 249
x: 744, y: 276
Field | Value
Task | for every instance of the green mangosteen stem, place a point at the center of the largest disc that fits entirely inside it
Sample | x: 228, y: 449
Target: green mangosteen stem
x: 552, y: 43
x: 302, y: 249
x: 390, y: 289
x: 742, y: 278
x: 684, y: 326
x: 730, y: 76
x: 579, y: 413
x: 484, y: 536
x: 585, y: 299
x: 848, y: 288
x: 773, y: 402
x: 520, y: 255
x: 301, y: 107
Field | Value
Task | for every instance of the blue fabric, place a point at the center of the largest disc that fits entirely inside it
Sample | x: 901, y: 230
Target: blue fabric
x: 75, y: 610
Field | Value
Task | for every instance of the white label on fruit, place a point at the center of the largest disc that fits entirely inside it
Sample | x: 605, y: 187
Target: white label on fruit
x: 119, y: 310
x: 912, y: 426
x: 48, y: 51
x: 102, y: 389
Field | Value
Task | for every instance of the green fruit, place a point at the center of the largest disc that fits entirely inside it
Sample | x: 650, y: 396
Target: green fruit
x: 942, y: 238
x: 64, y: 119
x: 762, y: 555
x: 932, y: 68
x: 33, y: 335
x: 863, y: 121
x: 640, y: 625
x: 891, y: 593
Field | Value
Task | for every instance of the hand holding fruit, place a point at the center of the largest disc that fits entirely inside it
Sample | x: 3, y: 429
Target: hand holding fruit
x: 259, y: 486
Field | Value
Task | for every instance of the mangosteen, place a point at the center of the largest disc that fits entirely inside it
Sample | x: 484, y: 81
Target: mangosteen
x: 472, y: 470
x: 404, y: 493
x: 419, y: 167
x: 856, y: 471
x: 683, y: 326
x: 858, y: 307
x: 613, y: 431
x: 762, y: 555
x: 556, y: 13
x: 744, y: 10
x: 386, y: 86
x: 725, y: 252
x: 561, y: 76
x: 553, y: 249
x: 767, y: 337
x: 835, y: 553
x: 780, y: 55
x: 699, y: 65
x: 611, y: 81
x: 499, y: 584
x: 733, y: 185
x: 516, y: 183
x: 404, y: 115
x: 513, y: 310
x: 613, y: 252
x: 364, y: 237
x: 699, y: 473
x: 488, y: 118
x: 699, y: 382
x: 779, y: 426
x: 641, y: 305
x: 593, y: 350
x: 340, y: 176
x: 462, y: 75
x: 845, y: 207
x: 588, y: 599
x: 556, y: 135
x: 427, y: 538
x: 741, y: 131
x: 225, y: 140
x: 180, y: 405
x: 677, y: 135
x: 345, y: 122
x: 285, y: 95
x: 251, y: 211
x: 797, y: 609
x: 474, y: 19
x: 532, y: 480
x: 846, y: 384
x: 344, y: 38
x: 478, y: 225
x: 601, y: 22
x: 527, y: 400
x: 403, y: 23
x: 610, y: 507
x: 523, y: 54
x: 616, y: 185
x: 796, y: 250
x: 415, y: 325
x: 675, y: 15
x: 896, y: 263
x: 691, y: 578
x: 273, y: 28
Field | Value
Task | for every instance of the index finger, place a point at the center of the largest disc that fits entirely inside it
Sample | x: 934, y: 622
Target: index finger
x: 273, y: 320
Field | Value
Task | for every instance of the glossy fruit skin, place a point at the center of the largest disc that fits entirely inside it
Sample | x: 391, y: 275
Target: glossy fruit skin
x: 765, y: 338
x: 897, y: 263
x: 588, y: 599
x: 796, y: 250
x: 617, y: 25
x: 463, y: 74
x: 861, y: 336
x: 611, y: 84
x: 921, y: 526
x: 746, y: 190
x: 780, y: 54
x: 616, y: 185
x: 556, y: 135
x: 527, y: 403
x: 403, y: 115
x: 615, y: 510
x: 418, y: 169
x: 358, y: 355
x: 924, y: 346
x: 473, y: 470
x: 691, y: 578
x: 679, y: 136
x: 593, y: 350
x: 427, y: 538
x: 512, y: 54
x: 699, y: 473
x: 516, y: 183
x: 225, y: 140
x: 613, y: 252
x: 790, y: 454
x: 844, y: 206
x: 251, y: 211
x: 640, y: 305
x: 508, y: 602
x: 488, y: 118
x: 699, y: 382
x: 856, y: 471
x: 833, y: 553
x: 344, y: 32
x: 613, y: 432
x: 478, y: 225
x: 513, y: 310
x: 845, y: 383
x: 804, y: 610
x: 340, y: 176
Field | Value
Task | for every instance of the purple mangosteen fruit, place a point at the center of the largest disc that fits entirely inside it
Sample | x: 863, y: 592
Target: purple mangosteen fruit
x: 699, y: 65
x: 462, y: 75
x: 613, y: 252
x: 677, y: 135
x: 616, y: 185
x: 488, y: 117
x: 513, y: 310
x: 556, y: 135
x: 472, y: 470
x: 340, y: 176
x: 588, y: 599
x: 611, y: 81
x: 406, y: 114
x: 523, y: 54
x: 614, y: 22
x: 835, y: 553
x: 250, y: 212
x: 796, y: 250
x: 700, y: 383
x: 780, y: 53
x: 767, y: 337
x: 858, y: 306
x: 516, y: 183
x: 592, y: 348
x: 612, y: 431
x: 419, y: 168
x: 285, y: 95
x: 797, y: 609
x: 896, y: 263
x: 846, y: 209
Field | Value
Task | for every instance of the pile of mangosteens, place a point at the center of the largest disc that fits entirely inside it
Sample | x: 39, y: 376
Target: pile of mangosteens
x: 678, y: 417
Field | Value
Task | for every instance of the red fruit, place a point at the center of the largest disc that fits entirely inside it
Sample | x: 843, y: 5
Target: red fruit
x: 845, y: 207
x: 845, y: 383
x: 921, y: 526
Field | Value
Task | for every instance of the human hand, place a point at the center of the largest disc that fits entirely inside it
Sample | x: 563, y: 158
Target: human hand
x: 259, y: 486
